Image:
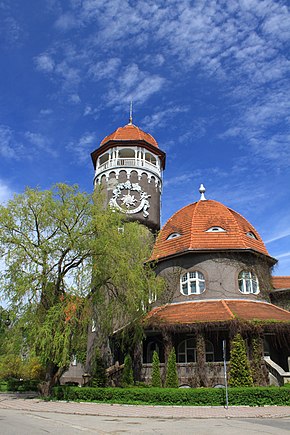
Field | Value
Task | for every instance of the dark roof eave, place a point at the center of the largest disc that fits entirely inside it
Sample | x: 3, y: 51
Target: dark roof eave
x: 202, y: 251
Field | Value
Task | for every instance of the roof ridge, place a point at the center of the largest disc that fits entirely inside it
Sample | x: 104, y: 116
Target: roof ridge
x: 227, y: 308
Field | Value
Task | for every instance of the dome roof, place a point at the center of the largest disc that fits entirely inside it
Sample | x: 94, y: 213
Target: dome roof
x: 129, y: 132
x: 206, y: 225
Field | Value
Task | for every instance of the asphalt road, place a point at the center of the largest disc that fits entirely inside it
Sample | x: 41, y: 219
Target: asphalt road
x: 19, y: 422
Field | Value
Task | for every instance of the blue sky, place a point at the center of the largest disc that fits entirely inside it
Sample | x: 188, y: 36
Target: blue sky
x: 209, y: 80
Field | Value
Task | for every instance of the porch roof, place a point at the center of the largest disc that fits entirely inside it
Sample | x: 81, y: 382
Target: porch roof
x: 216, y: 311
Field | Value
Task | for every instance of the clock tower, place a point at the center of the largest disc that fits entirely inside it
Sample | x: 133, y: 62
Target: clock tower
x: 129, y: 165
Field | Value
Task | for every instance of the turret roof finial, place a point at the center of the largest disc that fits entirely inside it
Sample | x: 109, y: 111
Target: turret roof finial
x: 131, y: 113
x: 202, y: 191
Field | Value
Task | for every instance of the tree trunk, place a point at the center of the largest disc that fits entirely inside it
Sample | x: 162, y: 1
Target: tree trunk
x: 52, y: 378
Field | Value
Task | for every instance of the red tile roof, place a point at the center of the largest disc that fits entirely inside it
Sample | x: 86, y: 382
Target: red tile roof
x: 281, y: 282
x: 129, y: 132
x: 192, y: 223
x: 216, y: 311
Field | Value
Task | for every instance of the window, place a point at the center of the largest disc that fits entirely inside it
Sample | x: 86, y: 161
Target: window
x: 186, y: 351
x: 192, y: 283
x: 216, y: 230
x: 248, y: 282
x: 251, y: 234
x: 209, y: 351
x: 173, y: 236
x: 151, y: 348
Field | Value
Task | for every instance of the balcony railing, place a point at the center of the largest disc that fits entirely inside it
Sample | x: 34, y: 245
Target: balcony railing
x: 130, y: 163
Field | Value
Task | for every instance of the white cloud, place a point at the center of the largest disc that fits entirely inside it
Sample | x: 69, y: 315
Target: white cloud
x: 162, y: 117
x: 6, y: 142
x: 66, y: 22
x: 44, y: 63
x: 105, y: 69
x: 134, y: 83
x: 5, y: 192
x: 82, y: 147
x: 41, y: 142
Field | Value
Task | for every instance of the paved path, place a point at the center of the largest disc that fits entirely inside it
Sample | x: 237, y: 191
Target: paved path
x: 20, y: 402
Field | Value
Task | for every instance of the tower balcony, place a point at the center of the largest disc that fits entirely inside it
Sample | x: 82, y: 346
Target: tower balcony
x: 129, y: 163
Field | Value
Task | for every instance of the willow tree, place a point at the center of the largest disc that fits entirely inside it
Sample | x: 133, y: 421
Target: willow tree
x: 60, y: 248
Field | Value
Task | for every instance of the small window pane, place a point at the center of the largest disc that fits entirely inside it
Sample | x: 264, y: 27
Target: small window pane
x: 181, y: 358
x: 192, y: 275
x: 193, y: 286
x: 190, y: 342
x: 200, y: 275
x: 190, y: 355
x: 185, y: 289
x: 201, y: 286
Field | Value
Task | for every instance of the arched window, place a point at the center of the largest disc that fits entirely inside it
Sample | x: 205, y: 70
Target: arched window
x: 192, y: 283
x: 186, y: 351
x: 248, y: 282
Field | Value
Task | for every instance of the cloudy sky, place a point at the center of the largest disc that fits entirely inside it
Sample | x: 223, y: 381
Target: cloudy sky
x: 209, y: 80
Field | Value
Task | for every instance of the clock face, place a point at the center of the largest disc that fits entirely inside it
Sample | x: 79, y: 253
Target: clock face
x: 129, y: 198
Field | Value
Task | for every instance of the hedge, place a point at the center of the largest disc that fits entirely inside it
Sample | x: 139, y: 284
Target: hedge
x: 250, y: 396
x: 19, y: 385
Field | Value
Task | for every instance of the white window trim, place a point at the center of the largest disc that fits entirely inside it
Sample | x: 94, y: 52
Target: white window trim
x: 173, y: 236
x: 188, y: 280
x: 250, y: 280
x: 216, y: 229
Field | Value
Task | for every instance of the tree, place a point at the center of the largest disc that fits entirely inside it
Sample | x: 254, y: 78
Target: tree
x: 127, y: 375
x: 240, y: 372
x: 156, y: 377
x: 66, y: 262
x: 171, y: 380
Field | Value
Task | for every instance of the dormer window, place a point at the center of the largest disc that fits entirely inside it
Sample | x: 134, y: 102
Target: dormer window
x: 173, y: 236
x: 251, y: 234
x: 216, y: 230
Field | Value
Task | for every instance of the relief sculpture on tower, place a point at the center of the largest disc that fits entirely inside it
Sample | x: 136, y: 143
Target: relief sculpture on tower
x: 129, y: 198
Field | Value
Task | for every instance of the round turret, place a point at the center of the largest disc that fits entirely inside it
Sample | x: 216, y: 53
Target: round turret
x: 129, y: 165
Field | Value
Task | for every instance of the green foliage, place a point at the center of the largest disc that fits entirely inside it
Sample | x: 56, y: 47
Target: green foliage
x: 127, y: 375
x: 65, y: 261
x: 258, y: 369
x: 99, y: 378
x: 10, y: 366
x: 156, y: 377
x: 240, y: 372
x: 255, y: 396
x: 171, y: 380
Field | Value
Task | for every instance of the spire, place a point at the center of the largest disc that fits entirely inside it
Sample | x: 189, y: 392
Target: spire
x: 202, y: 191
x: 131, y: 113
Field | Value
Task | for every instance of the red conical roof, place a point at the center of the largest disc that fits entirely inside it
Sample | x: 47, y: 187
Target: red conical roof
x: 129, y: 132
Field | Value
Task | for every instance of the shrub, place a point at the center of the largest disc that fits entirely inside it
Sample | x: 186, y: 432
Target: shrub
x: 253, y: 396
x: 10, y: 366
x: 240, y: 372
x: 127, y: 375
x: 99, y: 378
x: 171, y: 380
x: 156, y: 377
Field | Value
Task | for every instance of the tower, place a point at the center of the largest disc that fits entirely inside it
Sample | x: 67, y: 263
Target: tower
x: 129, y: 166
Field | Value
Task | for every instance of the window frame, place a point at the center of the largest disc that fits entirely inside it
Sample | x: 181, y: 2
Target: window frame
x: 187, y: 279
x: 248, y: 284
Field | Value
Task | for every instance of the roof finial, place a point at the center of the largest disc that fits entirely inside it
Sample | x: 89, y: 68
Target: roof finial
x: 131, y: 113
x: 202, y: 191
